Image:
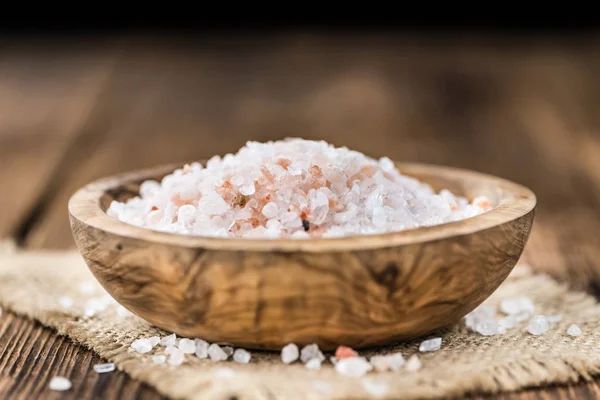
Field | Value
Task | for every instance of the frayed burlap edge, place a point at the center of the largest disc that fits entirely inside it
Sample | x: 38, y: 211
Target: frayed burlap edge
x: 468, y: 363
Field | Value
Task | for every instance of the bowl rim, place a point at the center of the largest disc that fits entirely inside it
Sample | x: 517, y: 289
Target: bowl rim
x: 516, y: 202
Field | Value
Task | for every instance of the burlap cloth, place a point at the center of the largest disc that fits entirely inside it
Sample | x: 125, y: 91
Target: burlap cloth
x: 31, y: 284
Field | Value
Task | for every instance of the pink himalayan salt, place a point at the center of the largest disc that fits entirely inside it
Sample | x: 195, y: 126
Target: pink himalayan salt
x: 292, y: 188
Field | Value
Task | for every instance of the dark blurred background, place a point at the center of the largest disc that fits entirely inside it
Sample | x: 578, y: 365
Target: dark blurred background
x: 79, y: 101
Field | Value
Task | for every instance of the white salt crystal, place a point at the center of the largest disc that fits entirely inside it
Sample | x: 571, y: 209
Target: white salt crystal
x: 333, y: 360
x: 201, y: 348
x: 187, y: 346
x: 224, y: 372
x: 87, y: 288
x: 65, y: 302
x: 216, y: 353
x: 413, y: 364
x: 574, y: 330
x: 159, y: 359
x: 60, y: 384
x: 508, y: 322
x: 322, y: 386
x: 353, y: 366
x: 168, y: 340
x: 311, y: 351
x: 291, y: 181
x: 176, y: 357
x: 289, y: 353
x: 487, y: 328
x: 377, y: 389
x: 517, y: 305
x: 241, y: 356
x: 538, y: 325
x: 522, y: 316
x: 142, y: 345
x: 103, y: 368
x: 313, y: 363
x: 154, y: 340
x: 430, y: 345
x: 392, y: 362
x: 228, y: 350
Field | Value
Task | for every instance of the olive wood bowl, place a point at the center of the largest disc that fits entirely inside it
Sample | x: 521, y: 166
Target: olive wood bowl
x: 358, y: 291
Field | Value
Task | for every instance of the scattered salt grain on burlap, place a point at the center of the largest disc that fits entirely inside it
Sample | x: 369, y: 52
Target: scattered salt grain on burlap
x: 142, y: 345
x: 289, y: 353
x: 216, y: 353
x: 292, y: 188
x: 430, y: 345
x: 154, y: 340
x: 508, y: 322
x: 311, y: 351
x: 228, y: 350
x: 391, y: 362
x: 60, y: 384
x: 413, y: 364
x: 377, y: 389
x: 169, y: 340
x: 353, y: 366
x: 574, y: 330
x: 517, y: 305
x: 159, y: 359
x: 345, y: 352
x: 538, y: 325
x: 201, y: 348
x: 333, y: 360
x: 241, y: 356
x: 104, y: 368
x: 176, y: 357
x: 187, y: 346
x: 313, y: 363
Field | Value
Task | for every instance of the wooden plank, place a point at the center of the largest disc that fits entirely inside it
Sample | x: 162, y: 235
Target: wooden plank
x: 45, y: 94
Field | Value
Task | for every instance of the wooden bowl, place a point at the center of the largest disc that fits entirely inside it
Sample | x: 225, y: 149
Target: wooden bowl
x: 358, y: 291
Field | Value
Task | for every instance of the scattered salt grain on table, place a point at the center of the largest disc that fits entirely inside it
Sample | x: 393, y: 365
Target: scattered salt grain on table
x: 344, y: 352
x: 538, y: 325
x: 142, y: 345
x: 291, y: 188
x: 353, y: 366
x: 517, y: 305
x: 430, y: 345
x: 228, y: 350
x: 154, y: 340
x: 104, y: 368
x: 574, y: 330
x: 187, y: 346
x: 60, y: 383
x: 216, y: 353
x: 159, y: 359
x: 413, y: 364
x: 169, y: 340
x: 65, y: 302
x: 311, y: 351
x: 176, y: 357
x: 391, y: 362
x: 289, y: 353
x: 377, y: 389
x: 313, y: 363
x: 241, y: 356
x: 201, y: 348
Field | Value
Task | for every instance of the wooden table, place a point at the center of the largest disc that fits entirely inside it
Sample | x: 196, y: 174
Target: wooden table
x: 72, y: 111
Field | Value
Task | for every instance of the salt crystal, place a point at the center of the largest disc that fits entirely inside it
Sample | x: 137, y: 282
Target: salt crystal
x: 377, y: 389
x: 487, y: 328
x: 154, y: 340
x: 413, y: 364
x: 289, y: 353
x: 241, y: 356
x: 311, y: 351
x: 176, y: 357
x: 313, y: 363
x: 59, y: 383
x: 508, y: 322
x: 392, y: 362
x: 103, y: 368
x: 224, y: 372
x: 87, y: 288
x: 216, y: 353
x: 353, y: 366
x: 65, y: 302
x: 187, y: 346
x: 517, y: 305
x: 228, y: 350
x: 574, y: 330
x: 430, y: 345
x: 345, y: 352
x: 303, y: 185
x: 168, y: 340
x: 159, y: 359
x: 333, y: 360
x: 142, y: 345
x: 538, y: 325
x: 201, y: 348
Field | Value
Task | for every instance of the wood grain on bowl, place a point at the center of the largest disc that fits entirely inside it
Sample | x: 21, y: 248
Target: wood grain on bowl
x: 358, y: 291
